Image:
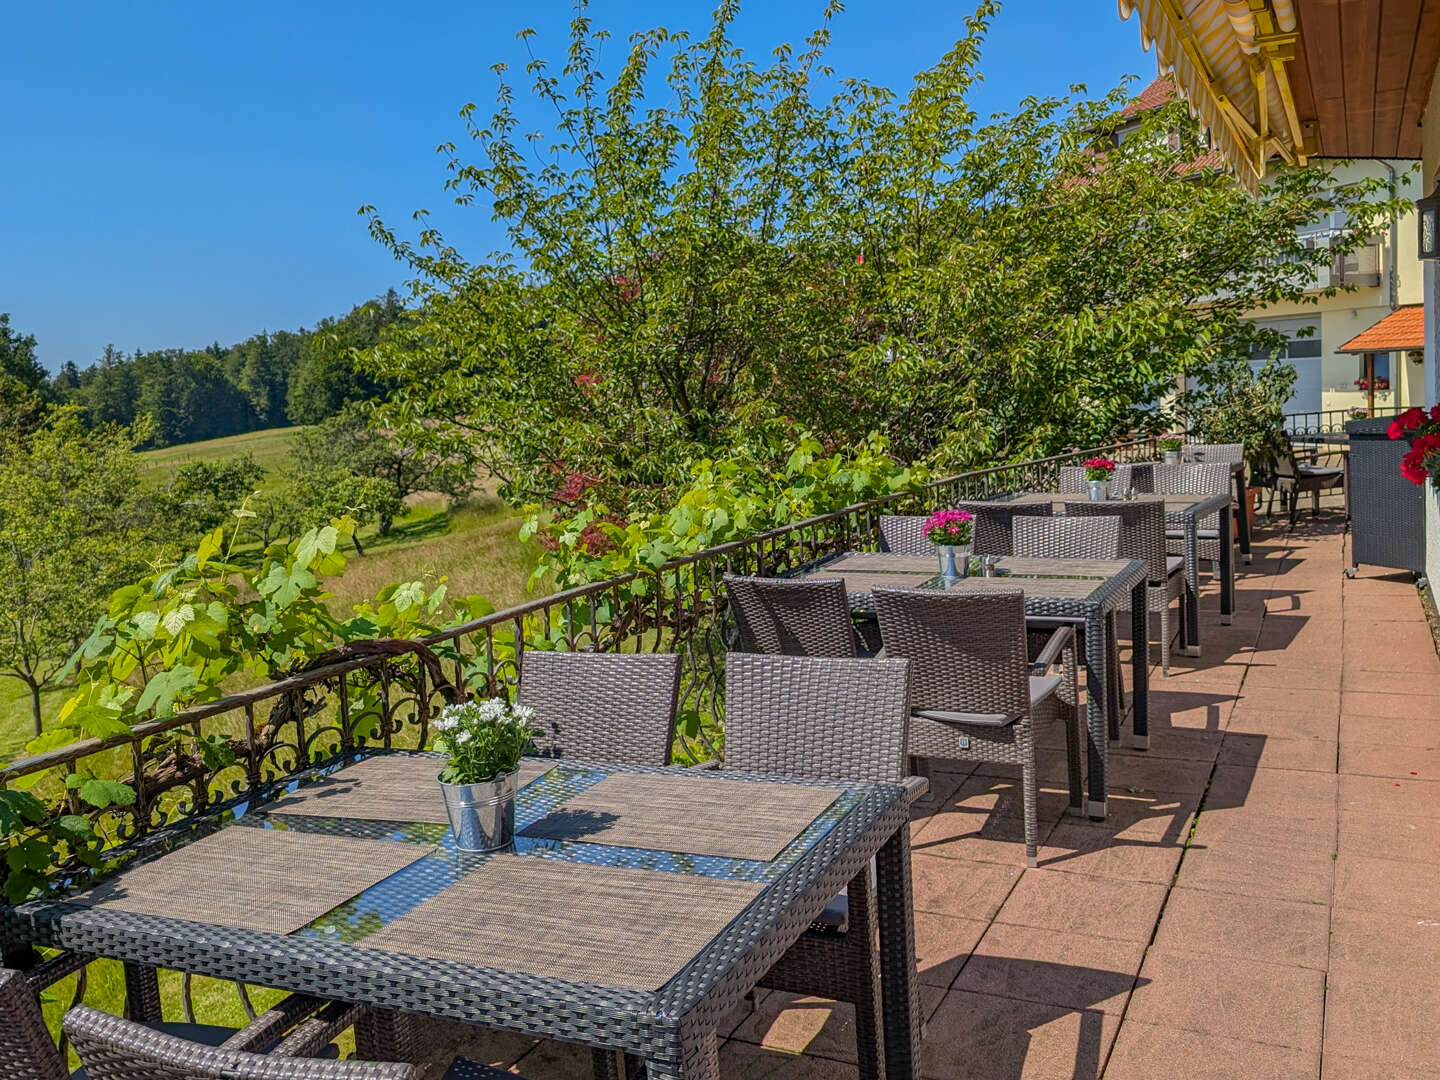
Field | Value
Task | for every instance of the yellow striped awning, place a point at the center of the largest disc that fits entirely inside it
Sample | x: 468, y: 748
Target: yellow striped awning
x: 1228, y: 61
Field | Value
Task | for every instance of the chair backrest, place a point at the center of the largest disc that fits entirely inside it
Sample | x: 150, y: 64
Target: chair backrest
x: 792, y: 617
x: 602, y: 706
x: 1072, y: 479
x: 1142, y: 529
x: 1068, y: 537
x: 903, y: 535
x: 991, y: 531
x: 817, y: 717
x: 1201, y: 478
x: 1202, y: 452
x: 27, y: 1052
x: 968, y: 650
x: 114, y: 1049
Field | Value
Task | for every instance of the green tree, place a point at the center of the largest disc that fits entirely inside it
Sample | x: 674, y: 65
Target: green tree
x: 326, y: 378
x: 71, y: 531
x: 352, y: 442
x: 25, y: 391
x: 202, y: 494
x: 751, y: 250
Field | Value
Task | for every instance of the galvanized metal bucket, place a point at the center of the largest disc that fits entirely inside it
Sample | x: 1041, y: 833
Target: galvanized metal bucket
x: 1172, y: 457
x: 954, y: 561
x: 1099, y: 490
x: 482, y: 816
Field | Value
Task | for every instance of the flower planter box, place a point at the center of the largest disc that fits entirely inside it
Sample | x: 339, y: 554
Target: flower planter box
x: 1387, y: 511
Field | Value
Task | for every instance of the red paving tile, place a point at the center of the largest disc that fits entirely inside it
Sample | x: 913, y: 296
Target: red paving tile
x: 1146, y: 1052
x: 1028, y: 973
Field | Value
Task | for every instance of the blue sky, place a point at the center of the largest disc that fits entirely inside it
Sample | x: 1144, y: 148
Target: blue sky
x: 179, y: 173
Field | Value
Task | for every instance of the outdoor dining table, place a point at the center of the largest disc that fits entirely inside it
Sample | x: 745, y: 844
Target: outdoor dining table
x: 1184, y: 512
x: 1085, y: 592
x: 635, y: 910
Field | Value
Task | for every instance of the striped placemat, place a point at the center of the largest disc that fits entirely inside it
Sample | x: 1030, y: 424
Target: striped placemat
x: 616, y: 927
x: 276, y: 880
x: 388, y: 787
x: 696, y: 815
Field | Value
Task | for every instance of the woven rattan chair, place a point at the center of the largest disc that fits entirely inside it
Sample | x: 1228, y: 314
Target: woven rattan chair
x: 1072, y: 479
x: 792, y: 616
x: 297, y: 1028
x: 1068, y: 537
x: 1293, y: 478
x: 1198, y: 452
x: 992, y: 528
x: 903, y: 535
x: 603, y: 706
x: 111, y: 1048
x: 974, y: 692
x: 824, y: 719
x: 1208, y: 478
x: 1142, y: 536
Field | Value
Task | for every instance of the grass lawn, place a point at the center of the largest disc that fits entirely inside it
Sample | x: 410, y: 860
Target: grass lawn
x: 269, y: 447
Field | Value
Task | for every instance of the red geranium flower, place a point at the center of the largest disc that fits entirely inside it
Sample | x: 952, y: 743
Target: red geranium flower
x: 1406, y: 422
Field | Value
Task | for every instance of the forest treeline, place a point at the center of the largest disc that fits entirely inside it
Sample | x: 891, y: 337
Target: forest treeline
x: 272, y: 379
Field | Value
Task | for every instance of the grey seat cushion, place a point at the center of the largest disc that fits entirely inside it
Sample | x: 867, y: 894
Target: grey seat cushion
x: 1041, y: 687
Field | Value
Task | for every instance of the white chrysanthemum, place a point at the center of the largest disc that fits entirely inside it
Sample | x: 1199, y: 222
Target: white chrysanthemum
x: 523, y: 713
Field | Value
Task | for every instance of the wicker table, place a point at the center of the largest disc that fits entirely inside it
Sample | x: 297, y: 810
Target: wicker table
x: 1086, y: 592
x: 673, y: 1028
x: 1185, y: 512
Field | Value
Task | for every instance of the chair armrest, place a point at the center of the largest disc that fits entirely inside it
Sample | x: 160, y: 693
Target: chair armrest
x: 916, y: 788
x: 269, y: 1028
x: 712, y: 765
x: 1060, y: 640
x: 314, y: 1035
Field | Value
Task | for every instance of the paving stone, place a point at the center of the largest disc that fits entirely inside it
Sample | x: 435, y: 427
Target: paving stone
x: 1389, y: 760
x: 980, y: 1037
x: 1140, y: 772
x: 1384, y: 682
x: 1263, y: 677
x: 1245, y: 927
x: 1385, y: 942
x: 970, y: 890
x: 1385, y: 885
x: 1084, y: 847
x: 1392, y: 705
x: 1288, y: 699
x: 1079, y: 904
x: 1073, y: 970
x: 942, y: 945
x: 1381, y: 795
x: 1238, y: 999
x: 1342, y: 1067
x: 1387, y: 1017
x: 1396, y: 731
x: 1269, y: 871
x: 1385, y: 836
x: 1146, y: 1052
x: 976, y: 836
x: 1251, y: 749
x: 744, y: 1061
x: 792, y: 1024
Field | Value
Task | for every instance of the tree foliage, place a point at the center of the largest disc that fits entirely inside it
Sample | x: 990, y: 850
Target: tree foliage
x: 753, y: 250
x: 72, y: 529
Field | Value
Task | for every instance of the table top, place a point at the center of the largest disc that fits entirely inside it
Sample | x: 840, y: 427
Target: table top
x: 1068, y: 581
x: 364, y: 949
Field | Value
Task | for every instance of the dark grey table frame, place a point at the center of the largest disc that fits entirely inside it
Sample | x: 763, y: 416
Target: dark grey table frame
x: 1091, y: 616
x: 675, y: 1030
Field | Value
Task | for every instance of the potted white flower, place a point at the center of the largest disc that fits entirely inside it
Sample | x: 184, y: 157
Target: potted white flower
x: 483, y: 742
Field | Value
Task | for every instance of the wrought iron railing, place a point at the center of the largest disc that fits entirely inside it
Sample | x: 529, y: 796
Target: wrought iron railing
x: 386, y: 700
x: 1329, y: 421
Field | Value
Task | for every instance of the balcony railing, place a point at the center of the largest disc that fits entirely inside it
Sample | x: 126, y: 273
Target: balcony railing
x: 317, y: 716
x: 1328, y: 421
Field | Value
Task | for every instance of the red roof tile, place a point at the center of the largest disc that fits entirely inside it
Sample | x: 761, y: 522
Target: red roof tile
x: 1160, y: 92
x: 1403, y: 328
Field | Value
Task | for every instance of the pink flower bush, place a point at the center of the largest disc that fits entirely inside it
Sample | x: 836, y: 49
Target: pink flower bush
x: 1098, y: 468
x: 948, y: 527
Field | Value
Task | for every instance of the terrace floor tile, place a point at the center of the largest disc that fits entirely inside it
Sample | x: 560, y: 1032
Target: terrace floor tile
x: 1289, y: 932
x: 1146, y: 1052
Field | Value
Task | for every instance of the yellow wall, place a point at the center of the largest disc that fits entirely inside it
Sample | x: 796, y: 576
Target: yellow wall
x: 1343, y: 316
